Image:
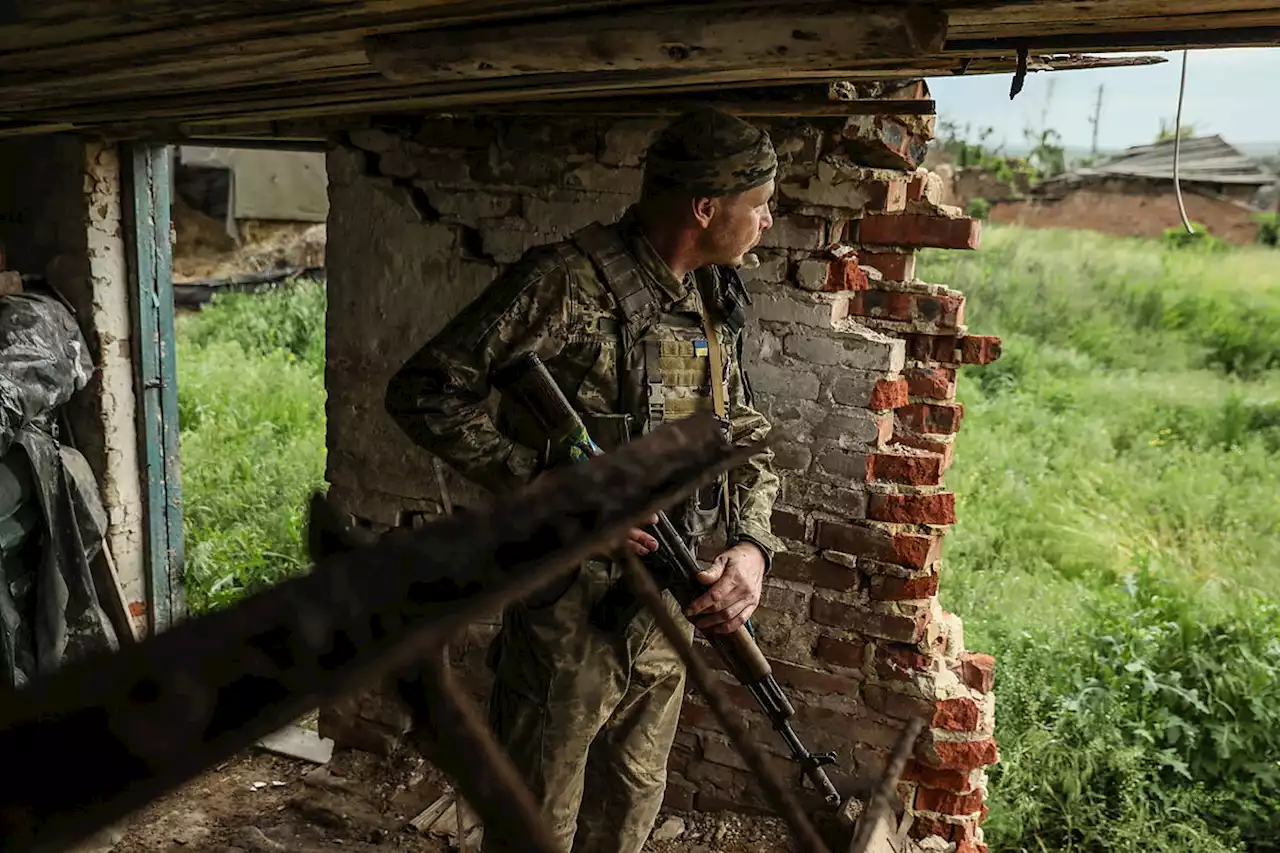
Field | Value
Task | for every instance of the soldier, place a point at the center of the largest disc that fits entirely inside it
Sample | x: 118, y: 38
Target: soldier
x: 639, y: 322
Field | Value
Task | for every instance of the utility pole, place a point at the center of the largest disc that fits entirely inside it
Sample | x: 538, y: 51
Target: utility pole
x: 1095, y: 121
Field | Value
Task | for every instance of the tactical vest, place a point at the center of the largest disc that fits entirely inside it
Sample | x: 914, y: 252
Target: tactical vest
x: 670, y: 365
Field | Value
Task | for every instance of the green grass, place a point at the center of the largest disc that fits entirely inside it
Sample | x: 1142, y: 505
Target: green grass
x: 251, y: 408
x: 1118, y: 487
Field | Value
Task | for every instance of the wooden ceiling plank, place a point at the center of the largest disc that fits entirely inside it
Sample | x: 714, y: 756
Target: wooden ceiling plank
x: 998, y: 15
x: 18, y: 95
x: 718, y: 36
x: 33, y: 46
x: 1106, y: 42
x: 1165, y: 23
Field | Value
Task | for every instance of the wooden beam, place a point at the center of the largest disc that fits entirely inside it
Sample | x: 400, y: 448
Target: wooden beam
x: 216, y: 28
x: 1166, y: 40
x: 1103, y: 28
x: 715, y: 37
x: 669, y: 106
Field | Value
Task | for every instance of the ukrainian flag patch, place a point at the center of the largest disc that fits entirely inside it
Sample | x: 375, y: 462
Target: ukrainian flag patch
x: 700, y: 347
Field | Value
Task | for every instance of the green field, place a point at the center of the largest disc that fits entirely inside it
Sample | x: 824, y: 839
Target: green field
x: 1118, y: 482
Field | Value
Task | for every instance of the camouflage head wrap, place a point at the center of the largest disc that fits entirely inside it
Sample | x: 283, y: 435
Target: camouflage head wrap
x: 706, y: 152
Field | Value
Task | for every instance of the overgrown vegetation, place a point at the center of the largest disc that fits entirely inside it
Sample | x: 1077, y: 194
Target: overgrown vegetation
x: 251, y: 404
x: 969, y: 149
x: 1117, y: 481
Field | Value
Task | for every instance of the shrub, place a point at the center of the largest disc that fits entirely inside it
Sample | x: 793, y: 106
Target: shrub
x: 978, y: 207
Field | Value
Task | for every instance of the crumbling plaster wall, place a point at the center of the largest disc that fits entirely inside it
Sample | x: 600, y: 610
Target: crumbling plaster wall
x: 850, y: 356
x: 60, y: 216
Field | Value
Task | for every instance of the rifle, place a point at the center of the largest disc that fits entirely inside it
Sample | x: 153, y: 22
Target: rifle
x: 528, y: 381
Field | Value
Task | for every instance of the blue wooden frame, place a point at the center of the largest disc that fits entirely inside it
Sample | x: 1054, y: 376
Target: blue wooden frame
x: 155, y: 354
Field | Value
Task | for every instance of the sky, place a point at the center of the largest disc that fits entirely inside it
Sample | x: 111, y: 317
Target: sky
x: 1234, y: 93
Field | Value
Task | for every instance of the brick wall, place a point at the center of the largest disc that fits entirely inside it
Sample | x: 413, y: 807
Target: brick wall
x: 852, y: 358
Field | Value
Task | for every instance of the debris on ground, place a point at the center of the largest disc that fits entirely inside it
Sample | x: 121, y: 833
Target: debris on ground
x: 362, y: 803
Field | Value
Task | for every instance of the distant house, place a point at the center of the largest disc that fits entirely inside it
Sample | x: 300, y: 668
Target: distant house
x: 1132, y: 194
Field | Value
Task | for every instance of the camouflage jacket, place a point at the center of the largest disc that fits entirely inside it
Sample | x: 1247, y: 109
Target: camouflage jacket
x: 553, y: 302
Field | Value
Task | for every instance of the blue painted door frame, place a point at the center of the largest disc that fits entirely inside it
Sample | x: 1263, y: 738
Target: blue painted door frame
x: 156, y: 379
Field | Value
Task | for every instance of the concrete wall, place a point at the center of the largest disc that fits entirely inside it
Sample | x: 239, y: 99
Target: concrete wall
x: 850, y: 355
x: 60, y: 216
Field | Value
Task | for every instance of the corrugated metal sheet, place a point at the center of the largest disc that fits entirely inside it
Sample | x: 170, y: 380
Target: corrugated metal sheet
x: 1208, y: 160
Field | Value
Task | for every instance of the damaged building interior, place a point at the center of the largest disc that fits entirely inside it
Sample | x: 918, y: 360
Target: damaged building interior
x: 457, y: 135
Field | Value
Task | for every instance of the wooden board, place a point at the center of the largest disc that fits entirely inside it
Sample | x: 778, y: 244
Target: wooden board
x: 178, y: 65
x: 718, y: 37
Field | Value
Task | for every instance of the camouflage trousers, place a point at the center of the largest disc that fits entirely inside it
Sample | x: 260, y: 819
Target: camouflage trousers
x: 587, y: 716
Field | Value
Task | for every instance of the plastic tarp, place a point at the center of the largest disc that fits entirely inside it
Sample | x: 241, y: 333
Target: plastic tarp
x: 49, y: 610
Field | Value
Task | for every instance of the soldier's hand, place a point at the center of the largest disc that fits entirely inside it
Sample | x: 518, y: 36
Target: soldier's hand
x: 642, y: 543
x: 735, y: 579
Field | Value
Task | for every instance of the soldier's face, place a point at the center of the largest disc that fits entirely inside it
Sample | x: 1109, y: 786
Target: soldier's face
x: 738, y: 223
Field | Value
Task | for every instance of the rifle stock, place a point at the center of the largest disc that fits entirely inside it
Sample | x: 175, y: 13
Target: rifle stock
x: 528, y: 381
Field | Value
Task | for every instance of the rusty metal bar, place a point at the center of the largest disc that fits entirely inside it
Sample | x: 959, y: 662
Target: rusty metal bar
x: 887, y: 788
x: 778, y: 794
x: 450, y: 728
x: 142, y: 721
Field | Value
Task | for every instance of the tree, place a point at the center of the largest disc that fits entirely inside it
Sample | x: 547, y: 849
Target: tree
x: 1186, y: 131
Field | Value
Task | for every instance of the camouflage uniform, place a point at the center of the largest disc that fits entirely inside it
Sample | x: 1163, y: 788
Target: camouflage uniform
x: 580, y: 708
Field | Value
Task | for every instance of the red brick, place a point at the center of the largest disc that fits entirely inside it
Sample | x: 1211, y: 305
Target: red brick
x: 884, y: 142
x: 693, y: 715
x: 904, y: 549
x: 957, y: 715
x: 898, y: 661
x: 979, y: 349
x: 842, y: 464
x: 911, y: 470
x: 937, y: 508
x: 888, y: 394
x: 942, y: 348
x: 893, y: 266
x: 814, y: 570
x: 915, y: 187
x: 678, y: 798
x: 982, y: 815
x: 788, y: 524
x: 845, y: 274
x: 970, y: 846
x: 891, y: 588
x: 887, y: 196
x: 944, y: 310
x: 813, y: 680
x: 978, y: 671
x: 872, y: 623
x: 846, y: 653
x: 916, y: 230
x: 897, y: 705
x: 883, y: 304
x: 960, y: 782
x: 934, y: 418
x: 965, y: 755
x: 938, y: 383
x: 922, y: 827
x: 951, y: 828
x: 934, y: 445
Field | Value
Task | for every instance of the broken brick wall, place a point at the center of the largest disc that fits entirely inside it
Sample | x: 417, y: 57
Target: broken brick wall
x: 850, y: 356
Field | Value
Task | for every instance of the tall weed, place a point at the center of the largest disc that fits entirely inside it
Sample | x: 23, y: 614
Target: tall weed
x: 251, y: 410
x: 1118, y: 494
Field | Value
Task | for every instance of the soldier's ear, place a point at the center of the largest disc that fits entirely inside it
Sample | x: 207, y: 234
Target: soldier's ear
x: 704, y: 210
